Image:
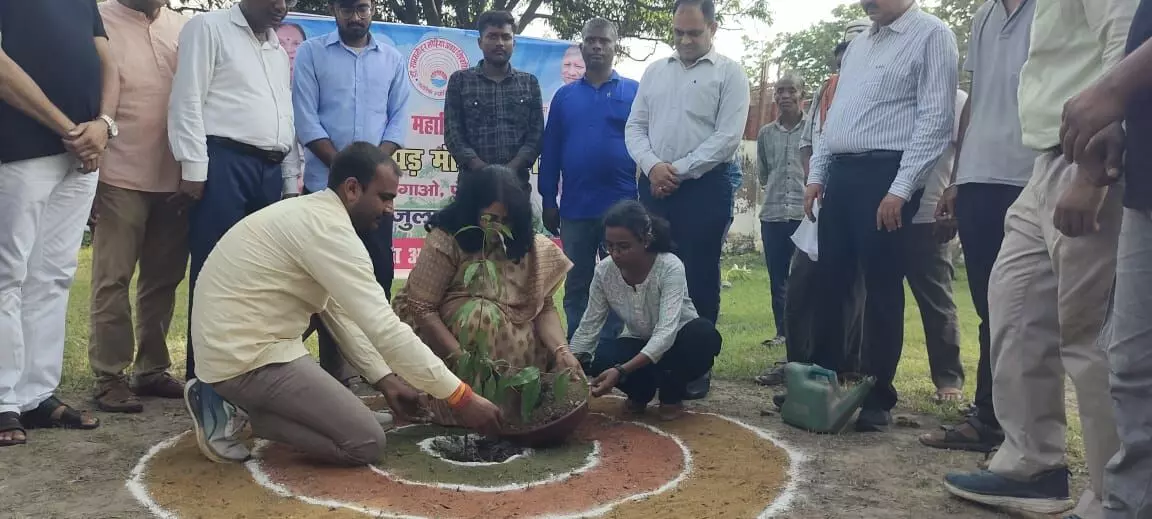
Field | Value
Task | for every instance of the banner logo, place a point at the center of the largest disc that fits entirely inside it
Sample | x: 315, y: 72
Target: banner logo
x: 432, y: 62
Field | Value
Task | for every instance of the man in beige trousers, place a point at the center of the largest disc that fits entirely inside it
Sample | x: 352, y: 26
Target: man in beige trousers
x: 137, y: 220
x: 1050, y: 286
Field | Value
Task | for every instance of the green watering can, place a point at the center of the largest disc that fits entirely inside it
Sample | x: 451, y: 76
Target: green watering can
x: 816, y: 401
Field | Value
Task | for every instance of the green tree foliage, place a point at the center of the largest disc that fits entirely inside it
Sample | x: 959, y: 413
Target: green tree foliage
x: 649, y: 20
x: 809, y: 52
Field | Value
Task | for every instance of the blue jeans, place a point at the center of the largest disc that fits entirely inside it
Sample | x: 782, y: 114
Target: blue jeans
x: 778, y: 250
x: 582, y: 241
x: 237, y: 186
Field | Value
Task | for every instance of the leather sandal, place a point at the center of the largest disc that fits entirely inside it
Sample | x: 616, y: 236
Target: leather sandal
x: 10, y: 422
x: 54, y: 414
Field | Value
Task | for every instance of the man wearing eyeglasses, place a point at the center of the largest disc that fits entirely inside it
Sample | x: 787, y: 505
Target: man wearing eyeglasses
x: 230, y: 123
x: 349, y: 87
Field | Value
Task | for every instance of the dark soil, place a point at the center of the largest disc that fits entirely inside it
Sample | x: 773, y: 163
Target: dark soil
x: 473, y: 448
x: 549, y: 410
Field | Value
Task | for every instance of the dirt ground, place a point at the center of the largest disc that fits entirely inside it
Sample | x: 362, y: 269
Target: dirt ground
x: 81, y: 474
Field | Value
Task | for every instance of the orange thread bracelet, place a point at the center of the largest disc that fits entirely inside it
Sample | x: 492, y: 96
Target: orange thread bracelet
x: 461, y: 396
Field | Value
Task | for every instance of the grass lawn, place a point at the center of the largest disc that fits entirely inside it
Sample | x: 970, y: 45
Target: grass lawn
x: 745, y: 321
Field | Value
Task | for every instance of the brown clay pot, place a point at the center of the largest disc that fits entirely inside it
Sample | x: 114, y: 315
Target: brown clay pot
x: 551, y: 433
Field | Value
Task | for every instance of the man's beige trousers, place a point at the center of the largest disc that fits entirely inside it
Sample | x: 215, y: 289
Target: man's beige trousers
x: 1048, y: 297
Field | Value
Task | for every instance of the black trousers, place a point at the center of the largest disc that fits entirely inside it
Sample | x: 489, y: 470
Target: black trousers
x: 851, y: 247
x: 689, y: 358
x: 379, y: 245
x: 980, y: 211
x: 778, y: 252
x: 802, y: 304
x: 698, y: 212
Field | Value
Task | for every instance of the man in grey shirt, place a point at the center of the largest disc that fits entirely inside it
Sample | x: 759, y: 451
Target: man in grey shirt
x: 685, y: 126
x: 992, y: 167
x: 781, y: 176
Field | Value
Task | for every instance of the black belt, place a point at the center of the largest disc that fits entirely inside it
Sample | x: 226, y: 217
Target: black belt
x: 271, y: 157
x: 869, y: 155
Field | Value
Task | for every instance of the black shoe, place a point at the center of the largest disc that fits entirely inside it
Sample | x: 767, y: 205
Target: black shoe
x: 779, y: 400
x: 698, y: 389
x: 1046, y: 493
x: 873, y: 420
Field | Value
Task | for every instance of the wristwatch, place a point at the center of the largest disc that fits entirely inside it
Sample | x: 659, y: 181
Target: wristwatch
x: 623, y: 373
x: 113, y: 128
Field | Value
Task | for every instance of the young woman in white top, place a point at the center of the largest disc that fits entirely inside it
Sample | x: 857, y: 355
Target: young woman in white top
x: 665, y: 344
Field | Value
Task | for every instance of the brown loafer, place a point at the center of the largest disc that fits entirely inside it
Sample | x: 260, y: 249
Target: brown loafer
x: 113, y: 396
x: 161, y: 385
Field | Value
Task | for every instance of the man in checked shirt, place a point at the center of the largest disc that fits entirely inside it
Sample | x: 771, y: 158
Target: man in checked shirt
x: 493, y: 113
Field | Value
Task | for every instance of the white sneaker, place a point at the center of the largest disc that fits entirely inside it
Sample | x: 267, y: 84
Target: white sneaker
x: 211, y: 417
x: 237, y: 420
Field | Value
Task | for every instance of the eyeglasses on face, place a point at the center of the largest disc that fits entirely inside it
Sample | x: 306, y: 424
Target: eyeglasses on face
x: 362, y: 11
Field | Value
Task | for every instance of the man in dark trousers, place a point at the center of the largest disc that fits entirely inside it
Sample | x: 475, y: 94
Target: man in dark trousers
x: 230, y: 123
x: 683, y: 131
x: 891, y: 120
x: 493, y: 113
x: 991, y: 169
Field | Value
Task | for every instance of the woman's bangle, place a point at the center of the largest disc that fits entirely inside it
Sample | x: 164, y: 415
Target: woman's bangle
x: 461, y: 396
x: 556, y: 350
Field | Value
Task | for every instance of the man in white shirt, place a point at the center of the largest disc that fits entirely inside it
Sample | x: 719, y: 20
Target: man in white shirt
x: 685, y: 126
x: 230, y: 122
x: 891, y: 119
x: 290, y: 261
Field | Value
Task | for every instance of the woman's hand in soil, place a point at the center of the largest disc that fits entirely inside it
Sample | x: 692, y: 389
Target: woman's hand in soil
x: 605, y: 382
x: 565, y: 360
x: 481, y: 415
x: 406, y: 403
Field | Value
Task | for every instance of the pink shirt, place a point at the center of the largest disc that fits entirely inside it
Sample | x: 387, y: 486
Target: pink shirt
x: 140, y: 158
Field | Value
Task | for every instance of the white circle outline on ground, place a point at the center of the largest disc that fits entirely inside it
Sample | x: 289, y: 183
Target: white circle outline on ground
x: 590, y: 462
x: 426, y: 447
x: 780, y: 504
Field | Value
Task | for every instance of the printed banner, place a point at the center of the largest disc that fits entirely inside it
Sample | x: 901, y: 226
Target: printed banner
x: 433, y: 54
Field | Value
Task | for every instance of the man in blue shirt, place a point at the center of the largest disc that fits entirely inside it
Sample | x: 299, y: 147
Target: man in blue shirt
x: 584, y: 146
x: 349, y: 87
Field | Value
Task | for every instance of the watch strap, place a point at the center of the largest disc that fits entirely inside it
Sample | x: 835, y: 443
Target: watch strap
x: 623, y: 372
x: 113, y: 128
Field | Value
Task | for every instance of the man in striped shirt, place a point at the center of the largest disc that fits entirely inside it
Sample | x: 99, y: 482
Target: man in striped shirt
x: 890, y: 122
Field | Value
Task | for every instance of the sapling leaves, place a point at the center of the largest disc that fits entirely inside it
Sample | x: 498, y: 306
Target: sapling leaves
x: 560, y: 386
x: 470, y: 273
x: 529, y: 397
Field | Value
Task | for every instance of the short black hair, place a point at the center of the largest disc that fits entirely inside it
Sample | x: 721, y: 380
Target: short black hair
x: 303, y: 35
x: 841, y: 48
x: 497, y: 19
x: 708, y: 7
x: 359, y: 161
x: 345, y: 3
x: 632, y: 215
